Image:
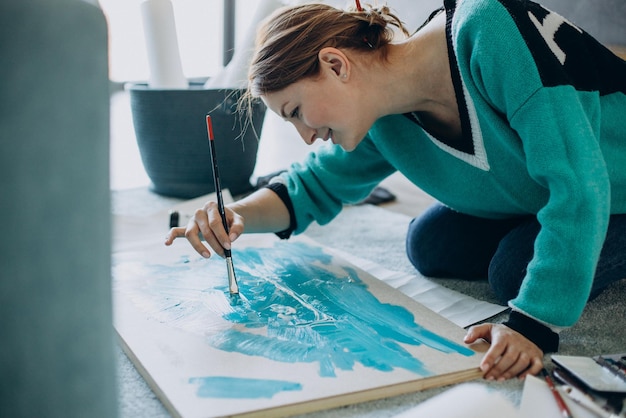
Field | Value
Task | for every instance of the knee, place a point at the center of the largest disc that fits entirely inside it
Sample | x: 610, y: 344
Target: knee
x: 445, y: 243
x: 413, y: 248
x: 421, y: 249
x: 509, y: 264
x: 505, y: 280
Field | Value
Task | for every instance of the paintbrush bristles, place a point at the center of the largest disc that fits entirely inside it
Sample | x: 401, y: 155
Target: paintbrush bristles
x: 233, y: 287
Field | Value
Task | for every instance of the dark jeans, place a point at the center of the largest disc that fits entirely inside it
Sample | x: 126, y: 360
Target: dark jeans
x: 445, y: 243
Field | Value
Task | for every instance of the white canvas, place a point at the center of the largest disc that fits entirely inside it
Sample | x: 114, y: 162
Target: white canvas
x: 309, y: 331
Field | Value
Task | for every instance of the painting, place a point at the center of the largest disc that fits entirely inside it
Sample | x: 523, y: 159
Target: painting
x: 307, y: 331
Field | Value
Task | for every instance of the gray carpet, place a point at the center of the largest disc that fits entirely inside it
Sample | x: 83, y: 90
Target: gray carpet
x: 377, y: 234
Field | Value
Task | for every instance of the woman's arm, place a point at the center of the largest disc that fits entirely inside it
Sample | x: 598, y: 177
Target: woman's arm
x: 262, y: 211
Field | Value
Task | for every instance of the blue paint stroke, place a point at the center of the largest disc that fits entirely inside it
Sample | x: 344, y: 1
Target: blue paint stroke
x: 237, y: 388
x: 297, y: 305
x: 314, y: 314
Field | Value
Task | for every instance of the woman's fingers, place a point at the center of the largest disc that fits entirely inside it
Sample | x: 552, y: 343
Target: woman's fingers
x: 174, y: 233
x: 510, y: 354
x: 192, y: 237
x: 207, y: 224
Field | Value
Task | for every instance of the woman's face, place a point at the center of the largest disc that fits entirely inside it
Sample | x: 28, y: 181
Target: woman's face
x: 321, y: 107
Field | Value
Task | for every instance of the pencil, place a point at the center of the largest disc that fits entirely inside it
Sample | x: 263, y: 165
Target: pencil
x: 557, y: 396
x: 233, y: 287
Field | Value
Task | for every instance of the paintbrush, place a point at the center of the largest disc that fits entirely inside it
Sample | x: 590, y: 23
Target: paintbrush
x: 560, y: 403
x: 233, y: 287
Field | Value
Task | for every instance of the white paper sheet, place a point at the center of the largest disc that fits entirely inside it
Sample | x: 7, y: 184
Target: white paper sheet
x: 538, y: 401
x: 469, y: 400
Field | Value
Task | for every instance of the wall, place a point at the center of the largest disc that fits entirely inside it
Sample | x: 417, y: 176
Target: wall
x: 604, y: 19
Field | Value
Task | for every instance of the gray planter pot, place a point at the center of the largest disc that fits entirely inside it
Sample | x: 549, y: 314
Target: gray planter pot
x: 170, y: 126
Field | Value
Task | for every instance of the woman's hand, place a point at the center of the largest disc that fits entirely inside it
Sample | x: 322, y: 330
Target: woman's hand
x: 208, y: 222
x: 510, y: 354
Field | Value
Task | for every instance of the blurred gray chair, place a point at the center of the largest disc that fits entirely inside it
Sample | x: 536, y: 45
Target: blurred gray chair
x: 56, y: 336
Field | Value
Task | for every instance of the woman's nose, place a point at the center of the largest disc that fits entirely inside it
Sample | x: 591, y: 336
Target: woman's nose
x: 309, y: 135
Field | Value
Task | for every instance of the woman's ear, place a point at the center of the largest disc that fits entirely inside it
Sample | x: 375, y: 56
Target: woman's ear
x: 335, y: 61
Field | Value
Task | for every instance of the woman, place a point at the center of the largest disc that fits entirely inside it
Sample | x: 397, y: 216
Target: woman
x: 503, y: 111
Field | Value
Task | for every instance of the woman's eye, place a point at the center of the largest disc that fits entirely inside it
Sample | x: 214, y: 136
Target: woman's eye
x: 295, y: 113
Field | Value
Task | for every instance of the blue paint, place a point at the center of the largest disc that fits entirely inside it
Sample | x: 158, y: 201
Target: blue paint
x: 315, y: 315
x: 237, y: 388
x: 297, y: 305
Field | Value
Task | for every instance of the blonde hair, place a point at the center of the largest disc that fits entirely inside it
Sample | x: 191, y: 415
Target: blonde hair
x: 289, y: 40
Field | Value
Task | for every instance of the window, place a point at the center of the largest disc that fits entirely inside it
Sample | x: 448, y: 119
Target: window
x: 199, y: 26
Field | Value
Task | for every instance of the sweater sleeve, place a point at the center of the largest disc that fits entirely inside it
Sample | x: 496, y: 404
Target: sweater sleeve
x: 563, y: 154
x: 513, y: 60
x: 331, y: 177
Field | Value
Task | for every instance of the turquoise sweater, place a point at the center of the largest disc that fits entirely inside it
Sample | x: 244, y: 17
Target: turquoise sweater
x: 543, y: 109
